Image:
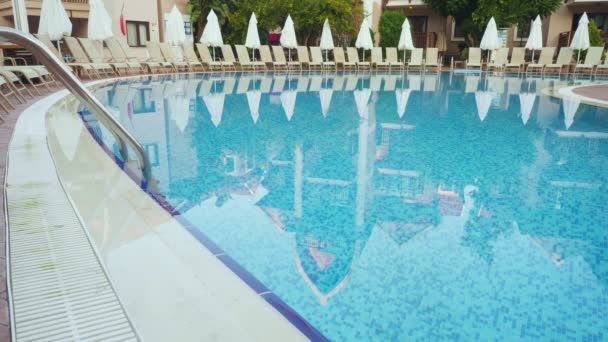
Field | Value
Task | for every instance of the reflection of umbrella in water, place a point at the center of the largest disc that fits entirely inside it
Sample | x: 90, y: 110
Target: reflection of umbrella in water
x: 215, y: 106
x: 571, y: 105
x: 325, y: 96
x: 483, y: 99
x: 362, y: 100
x: 180, y: 111
x: 402, y: 96
x: 253, y: 99
x: 526, y: 103
x: 288, y: 100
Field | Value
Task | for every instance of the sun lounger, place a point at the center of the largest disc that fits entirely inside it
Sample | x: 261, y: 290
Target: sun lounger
x: 432, y: 59
x: 416, y: 61
x: 341, y: 60
x: 266, y: 56
x: 305, y: 60
x: 97, y: 57
x: 5, y: 92
x: 500, y: 59
x: 157, y: 56
x: 119, y: 56
x: 517, y: 61
x: 392, y: 59
x: 167, y: 52
x: 317, y: 57
x: 14, y: 84
x: 228, y: 56
x: 564, y: 58
x: 280, y: 61
x: 602, y: 68
x: 244, y: 61
x: 592, y: 59
x: 206, y: 58
x: 81, y: 58
x: 353, y: 57
x: 474, y: 60
x: 546, y: 57
x: 168, y: 56
x: 132, y: 57
x: 191, y: 58
x: 377, y: 60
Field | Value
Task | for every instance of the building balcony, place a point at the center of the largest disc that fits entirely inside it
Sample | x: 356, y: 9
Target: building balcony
x: 404, y: 3
x: 74, y: 8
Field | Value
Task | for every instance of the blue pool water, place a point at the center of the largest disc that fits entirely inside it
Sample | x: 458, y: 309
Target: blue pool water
x: 392, y: 207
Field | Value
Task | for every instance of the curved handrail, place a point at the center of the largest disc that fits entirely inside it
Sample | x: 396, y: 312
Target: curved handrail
x: 78, y: 89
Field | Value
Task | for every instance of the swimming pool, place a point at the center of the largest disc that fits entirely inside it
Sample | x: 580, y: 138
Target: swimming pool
x: 390, y: 206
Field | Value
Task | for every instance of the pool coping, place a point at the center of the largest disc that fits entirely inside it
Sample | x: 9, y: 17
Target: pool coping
x: 260, y: 289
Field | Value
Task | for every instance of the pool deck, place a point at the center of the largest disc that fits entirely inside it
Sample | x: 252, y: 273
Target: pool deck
x: 598, y: 92
x: 161, y: 232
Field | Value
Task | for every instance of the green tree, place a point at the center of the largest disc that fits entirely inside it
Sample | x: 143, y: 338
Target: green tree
x: 390, y: 28
x: 308, y: 16
x: 473, y: 15
x: 595, y: 35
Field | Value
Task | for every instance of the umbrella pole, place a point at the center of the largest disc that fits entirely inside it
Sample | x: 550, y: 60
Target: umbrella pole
x: 578, y: 56
x: 213, y: 48
x: 533, y: 51
x: 326, y: 55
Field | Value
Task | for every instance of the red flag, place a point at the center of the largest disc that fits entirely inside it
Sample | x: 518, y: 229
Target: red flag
x: 123, y: 25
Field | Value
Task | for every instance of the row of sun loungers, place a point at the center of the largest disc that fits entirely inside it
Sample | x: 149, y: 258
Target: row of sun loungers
x: 500, y: 62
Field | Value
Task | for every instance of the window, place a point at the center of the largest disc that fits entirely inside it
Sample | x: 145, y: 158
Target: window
x: 457, y: 33
x: 522, y: 33
x: 143, y: 103
x: 138, y: 33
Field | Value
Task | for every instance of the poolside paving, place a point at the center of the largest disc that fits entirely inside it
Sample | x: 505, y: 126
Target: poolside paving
x: 6, y: 131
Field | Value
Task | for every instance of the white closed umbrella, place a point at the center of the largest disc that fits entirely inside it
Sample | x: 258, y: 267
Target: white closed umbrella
x: 175, y: 33
x: 526, y: 103
x: 288, y: 101
x: 580, y: 41
x: 402, y: 96
x: 483, y: 99
x: 253, y: 99
x: 325, y: 95
x: 20, y: 15
x: 215, y: 106
x: 362, y: 100
x: 212, y: 34
x: 54, y: 21
x: 327, y: 41
x: 100, y: 23
x: 252, y: 41
x: 490, y: 40
x: 405, y: 39
x: 570, y: 105
x: 535, y: 39
x: 288, y: 36
x: 364, y: 38
x: 180, y: 111
x: 368, y: 11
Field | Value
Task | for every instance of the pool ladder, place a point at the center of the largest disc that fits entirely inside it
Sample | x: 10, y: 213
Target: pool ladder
x: 64, y: 75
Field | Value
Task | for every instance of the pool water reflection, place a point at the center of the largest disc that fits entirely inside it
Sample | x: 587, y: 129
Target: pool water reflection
x: 391, y: 206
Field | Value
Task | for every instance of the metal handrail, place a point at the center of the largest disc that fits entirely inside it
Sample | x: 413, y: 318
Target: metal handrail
x: 78, y: 89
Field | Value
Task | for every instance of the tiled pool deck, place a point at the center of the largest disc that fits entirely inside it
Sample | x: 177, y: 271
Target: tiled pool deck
x: 595, y: 92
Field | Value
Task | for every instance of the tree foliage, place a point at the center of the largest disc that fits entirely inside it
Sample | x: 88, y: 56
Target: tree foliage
x: 474, y: 15
x: 595, y: 35
x: 390, y: 28
x: 308, y: 17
